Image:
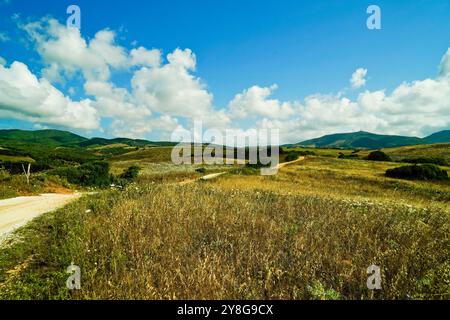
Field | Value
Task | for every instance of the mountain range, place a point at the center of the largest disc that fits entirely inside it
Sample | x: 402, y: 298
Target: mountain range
x: 367, y: 140
x: 361, y: 140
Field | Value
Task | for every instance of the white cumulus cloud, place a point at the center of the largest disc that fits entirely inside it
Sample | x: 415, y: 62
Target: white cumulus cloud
x: 256, y: 102
x: 24, y: 96
x: 358, y: 79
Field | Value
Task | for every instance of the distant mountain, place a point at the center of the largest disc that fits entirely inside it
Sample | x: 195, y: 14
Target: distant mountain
x: 439, y: 137
x: 57, y: 138
x: 52, y: 138
x: 366, y: 140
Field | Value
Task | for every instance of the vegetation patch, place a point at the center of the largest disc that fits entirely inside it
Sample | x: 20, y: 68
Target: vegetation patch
x: 94, y: 174
x: 436, y: 161
x: 378, y: 156
x: 418, y: 172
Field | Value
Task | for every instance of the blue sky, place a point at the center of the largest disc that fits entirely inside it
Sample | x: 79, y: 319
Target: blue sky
x: 304, y: 47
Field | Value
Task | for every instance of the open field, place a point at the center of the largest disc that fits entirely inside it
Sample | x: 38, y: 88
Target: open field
x: 441, y: 150
x: 309, y: 232
x: 345, y: 179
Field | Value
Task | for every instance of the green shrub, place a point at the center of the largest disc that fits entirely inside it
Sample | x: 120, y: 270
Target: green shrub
x: 418, y: 172
x: 93, y: 174
x: 350, y: 156
x: 131, y: 173
x: 292, y: 156
x: 378, y: 156
x: 201, y: 170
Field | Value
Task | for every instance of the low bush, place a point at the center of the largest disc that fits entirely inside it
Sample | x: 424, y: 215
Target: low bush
x: 131, y: 173
x: 378, y: 156
x: 93, y: 174
x: 292, y: 156
x: 201, y: 170
x: 306, y: 153
x: 349, y: 156
x: 418, y: 172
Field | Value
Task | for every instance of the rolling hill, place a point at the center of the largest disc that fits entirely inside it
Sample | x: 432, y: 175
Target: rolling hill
x: 58, y: 138
x: 367, y: 140
x: 53, y: 138
x: 439, y: 137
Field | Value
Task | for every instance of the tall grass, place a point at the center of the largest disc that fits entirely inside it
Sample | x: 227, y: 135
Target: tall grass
x: 199, y: 241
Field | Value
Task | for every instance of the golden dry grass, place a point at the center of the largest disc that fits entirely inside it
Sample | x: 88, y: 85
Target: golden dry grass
x: 308, y: 233
x: 230, y: 239
x: 440, y: 150
x: 345, y: 179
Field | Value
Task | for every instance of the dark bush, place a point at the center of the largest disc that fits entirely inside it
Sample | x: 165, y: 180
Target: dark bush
x: 306, y: 153
x: 131, y: 173
x: 93, y: 174
x: 291, y: 156
x: 349, y: 156
x: 294, y: 155
x: 378, y: 156
x: 418, y: 172
x: 201, y: 170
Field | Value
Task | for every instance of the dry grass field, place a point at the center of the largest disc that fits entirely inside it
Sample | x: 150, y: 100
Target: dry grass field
x: 309, y: 232
x: 345, y: 179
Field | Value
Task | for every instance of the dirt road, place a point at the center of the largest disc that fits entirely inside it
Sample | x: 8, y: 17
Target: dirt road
x: 204, y: 178
x: 16, y: 212
x: 216, y: 175
x: 284, y: 164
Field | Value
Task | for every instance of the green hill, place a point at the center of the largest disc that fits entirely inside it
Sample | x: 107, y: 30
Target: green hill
x: 361, y: 139
x: 58, y: 138
x: 48, y: 138
x: 439, y: 137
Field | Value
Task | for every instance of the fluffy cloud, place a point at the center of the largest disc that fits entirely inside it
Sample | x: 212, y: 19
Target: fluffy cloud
x: 114, y: 102
x: 24, y: 96
x: 64, y: 50
x: 358, y: 79
x: 171, y: 89
x: 255, y: 102
x: 155, y: 89
x: 143, y: 57
x: 417, y: 108
x: 163, y: 125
